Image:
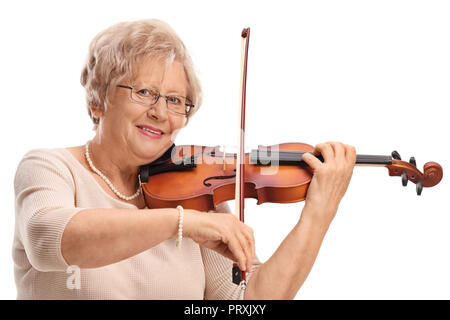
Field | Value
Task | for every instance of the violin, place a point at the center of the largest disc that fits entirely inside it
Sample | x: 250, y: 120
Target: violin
x: 200, y: 177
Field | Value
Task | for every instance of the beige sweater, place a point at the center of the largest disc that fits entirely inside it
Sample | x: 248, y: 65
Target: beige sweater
x: 51, y: 186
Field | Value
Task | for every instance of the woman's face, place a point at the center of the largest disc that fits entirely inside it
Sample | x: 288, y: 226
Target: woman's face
x: 123, y: 122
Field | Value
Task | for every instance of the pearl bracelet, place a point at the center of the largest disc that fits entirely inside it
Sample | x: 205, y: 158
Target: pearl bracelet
x: 180, y: 226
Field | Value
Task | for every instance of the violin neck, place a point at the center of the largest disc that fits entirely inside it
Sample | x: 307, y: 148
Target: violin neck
x: 373, y: 160
x: 295, y: 158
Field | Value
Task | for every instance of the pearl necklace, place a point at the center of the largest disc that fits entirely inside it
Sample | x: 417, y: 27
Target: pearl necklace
x: 121, y: 196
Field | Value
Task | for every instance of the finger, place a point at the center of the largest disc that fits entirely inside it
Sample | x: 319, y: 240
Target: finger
x: 236, y: 249
x: 325, y: 150
x: 339, y: 150
x: 312, y: 161
x: 246, y: 250
x: 350, y: 154
x: 250, y: 242
x: 253, y: 245
x: 224, y: 250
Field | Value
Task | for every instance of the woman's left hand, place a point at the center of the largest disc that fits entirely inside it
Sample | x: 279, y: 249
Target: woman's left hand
x: 331, y: 177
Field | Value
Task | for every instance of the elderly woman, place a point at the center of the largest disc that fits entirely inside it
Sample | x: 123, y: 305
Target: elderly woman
x: 83, y: 230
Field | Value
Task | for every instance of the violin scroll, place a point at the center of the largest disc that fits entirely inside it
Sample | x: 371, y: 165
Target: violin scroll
x: 432, y: 172
x: 431, y: 176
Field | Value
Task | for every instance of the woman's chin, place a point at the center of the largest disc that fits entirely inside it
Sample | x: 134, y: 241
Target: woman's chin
x: 151, y: 150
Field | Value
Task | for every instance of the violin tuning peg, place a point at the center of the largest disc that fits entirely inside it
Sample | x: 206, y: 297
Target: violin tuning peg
x: 412, y: 160
x: 404, y: 178
x: 396, y: 155
x: 419, y: 187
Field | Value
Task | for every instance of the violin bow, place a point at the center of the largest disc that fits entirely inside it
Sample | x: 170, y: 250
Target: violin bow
x: 239, y: 276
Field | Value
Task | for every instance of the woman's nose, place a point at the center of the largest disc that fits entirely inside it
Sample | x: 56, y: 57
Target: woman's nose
x: 159, y: 110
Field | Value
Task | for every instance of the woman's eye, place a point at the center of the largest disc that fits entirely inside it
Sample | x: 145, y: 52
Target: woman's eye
x: 174, y: 100
x: 147, y: 92
x: 144, y: 92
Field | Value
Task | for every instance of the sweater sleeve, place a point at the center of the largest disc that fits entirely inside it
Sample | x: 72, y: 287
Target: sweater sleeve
x: 44, y: 203
x: 218, y: 272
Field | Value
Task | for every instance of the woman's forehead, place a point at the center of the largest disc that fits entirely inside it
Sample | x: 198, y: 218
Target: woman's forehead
x: 160, y: 74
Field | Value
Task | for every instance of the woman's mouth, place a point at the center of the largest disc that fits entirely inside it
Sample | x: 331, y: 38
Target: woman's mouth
x: 150, y: 131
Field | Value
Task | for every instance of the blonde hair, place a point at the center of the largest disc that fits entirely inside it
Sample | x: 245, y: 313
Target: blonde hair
x: 115, y: 52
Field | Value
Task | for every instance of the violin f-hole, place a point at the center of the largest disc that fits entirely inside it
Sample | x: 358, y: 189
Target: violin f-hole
x: 205, y: 181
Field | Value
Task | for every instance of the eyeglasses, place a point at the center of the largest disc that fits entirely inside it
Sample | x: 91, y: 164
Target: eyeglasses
x: 150, y: 96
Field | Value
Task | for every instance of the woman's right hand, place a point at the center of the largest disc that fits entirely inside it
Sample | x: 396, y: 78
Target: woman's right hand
x: 223, y: 233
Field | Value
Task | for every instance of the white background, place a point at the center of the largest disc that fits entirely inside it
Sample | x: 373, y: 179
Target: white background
x: 374, y: 74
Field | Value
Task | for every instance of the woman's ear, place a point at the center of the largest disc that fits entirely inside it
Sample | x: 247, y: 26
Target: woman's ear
x: 96, y: 113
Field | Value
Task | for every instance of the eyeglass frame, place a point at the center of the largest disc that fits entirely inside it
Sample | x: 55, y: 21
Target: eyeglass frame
x: 191, y: 105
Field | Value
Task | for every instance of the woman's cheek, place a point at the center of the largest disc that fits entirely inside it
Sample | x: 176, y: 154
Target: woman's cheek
x: 176, y: 125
